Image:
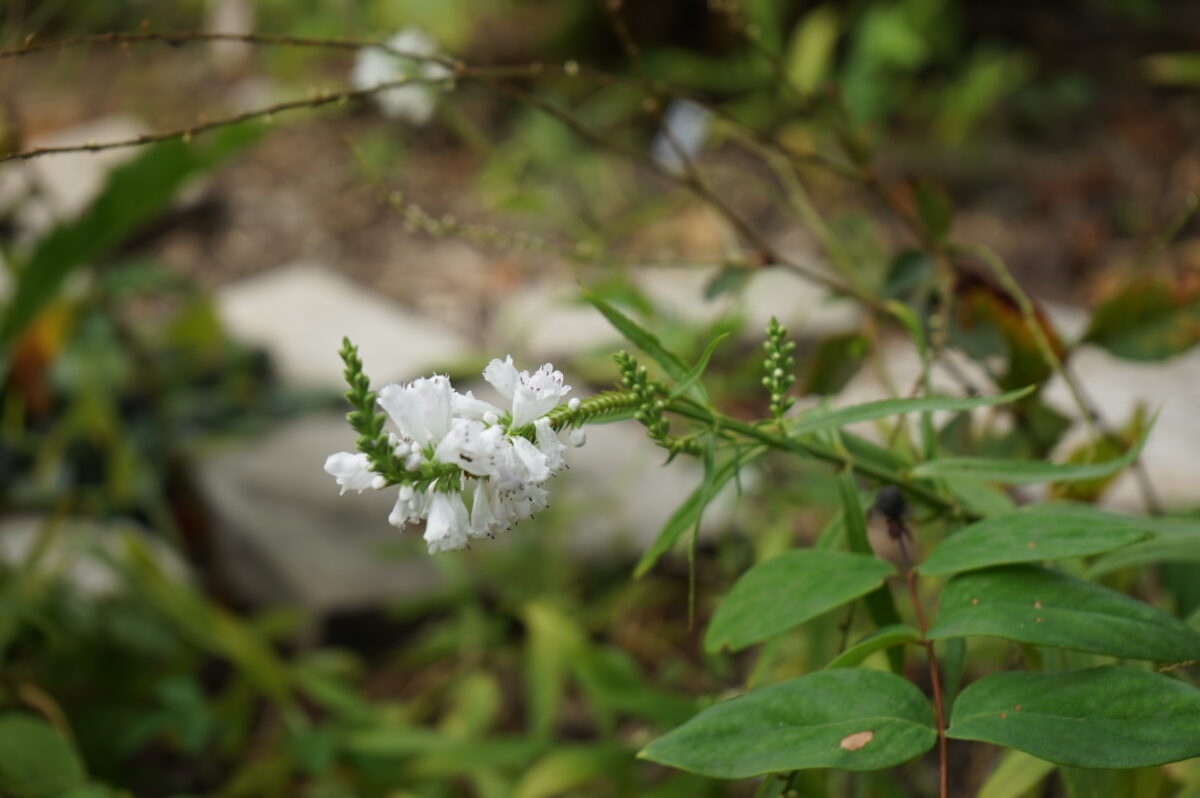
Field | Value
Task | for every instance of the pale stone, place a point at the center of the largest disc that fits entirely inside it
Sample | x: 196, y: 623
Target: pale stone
x: 286, y: 536
x: 551, y: 320
x: 300, y: 313
x: 81, y: 551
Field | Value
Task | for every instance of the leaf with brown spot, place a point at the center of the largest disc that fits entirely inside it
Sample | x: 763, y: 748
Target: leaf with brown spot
x: 853, y: 742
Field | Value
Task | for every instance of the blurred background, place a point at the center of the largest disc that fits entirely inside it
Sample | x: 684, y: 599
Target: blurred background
x: 188, y: 608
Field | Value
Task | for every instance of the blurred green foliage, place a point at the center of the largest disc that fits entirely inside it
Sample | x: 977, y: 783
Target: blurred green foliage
x: 530, y: 674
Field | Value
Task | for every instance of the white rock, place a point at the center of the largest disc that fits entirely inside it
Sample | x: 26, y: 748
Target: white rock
x: 1116, y: 386
x: 81, y: 551
x: 285, y: 535
x: 550, y: 320
x: 301, y: 312
x: 620, y: 494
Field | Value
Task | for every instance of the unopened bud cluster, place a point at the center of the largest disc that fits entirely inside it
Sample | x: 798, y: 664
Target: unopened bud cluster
x: 778, y: 367
x: 647, y: 395
x: 636, y: 379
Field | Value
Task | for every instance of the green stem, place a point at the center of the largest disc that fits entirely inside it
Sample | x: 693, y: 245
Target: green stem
x: 689, y: 409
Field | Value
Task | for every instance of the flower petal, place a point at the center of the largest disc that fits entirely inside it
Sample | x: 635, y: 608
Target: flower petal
x: 448, y: 522
x: 351, y: 470
x: 503, y: 376
x: 537, y: 394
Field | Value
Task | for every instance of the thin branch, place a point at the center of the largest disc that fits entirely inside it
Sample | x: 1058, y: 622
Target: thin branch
x: 188, y: 131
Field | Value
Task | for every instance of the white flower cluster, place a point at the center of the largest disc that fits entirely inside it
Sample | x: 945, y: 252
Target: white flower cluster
x: 437, y: 424
x: 374, y: 66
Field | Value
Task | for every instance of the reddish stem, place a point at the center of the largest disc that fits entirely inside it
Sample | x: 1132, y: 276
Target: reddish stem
x: 935, y: 678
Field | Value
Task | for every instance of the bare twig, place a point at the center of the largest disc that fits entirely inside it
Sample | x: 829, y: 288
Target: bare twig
x: 188, y: 131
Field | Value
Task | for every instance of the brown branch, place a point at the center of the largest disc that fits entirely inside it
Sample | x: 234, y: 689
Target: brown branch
x: 934, y: 677
x: 186, y: 132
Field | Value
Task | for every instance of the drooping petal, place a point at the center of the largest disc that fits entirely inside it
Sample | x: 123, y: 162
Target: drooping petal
x: 549, y: 444
x: 483, y: 517
x: 352, y: 471
x: 448, y: 523
x: 503, y: 376
x: 537, y: 394
x: 410, y: 507
x: 533, y: 461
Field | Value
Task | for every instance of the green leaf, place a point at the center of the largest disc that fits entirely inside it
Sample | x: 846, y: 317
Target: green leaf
x: 1031, y: 604
x: 35, y: 761
x: 134, y: 194
x: 569, y: 767
x: 687, y: 515
x: 833, y: 363
x: 1149, y: 318
x: 1025, y: 472
x: 1016, y: 775
x: 730, y: 278
x: 887, y: 637
x: 830, y: 419
x: 1108, y: 717
x: 880, y: 603
x: 976, y: 497
x: 809, y: 54
x: 1175, y: 540
x: 789, y: 589
x: 640, y: 337
x: 1032, y: 534
x: 934, y: 209
x: 697, y: 371
x: 851, y: 719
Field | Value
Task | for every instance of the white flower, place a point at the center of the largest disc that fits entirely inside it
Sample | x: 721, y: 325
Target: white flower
x: 438, y: 426
x: 549, y: 444
x: 532, y: 395
x: 479, y: 450
x: 410, y: 507
x: 448, y: 524
x: 421, y: 410
x: 536, y: 469
x: 578, y: 437
x: 352, y: 471
x: 375, y: 66
x: 465, y: 405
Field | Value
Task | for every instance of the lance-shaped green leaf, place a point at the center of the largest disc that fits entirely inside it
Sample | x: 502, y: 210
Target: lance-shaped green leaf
x: 1031, y: 604
x: 1108, y: 717
x: 851, y: 719
x: 1015, y: 775
x: 1045, y: 532
x: 133, y: 193
x: 789, y: 589
x: 693, y: 375
x: 1025, y: 472
x: 688, y: 514
x: 886, y: 638
x: 640, y: 337
x: 831, y: 419
x: 1175, y: 540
